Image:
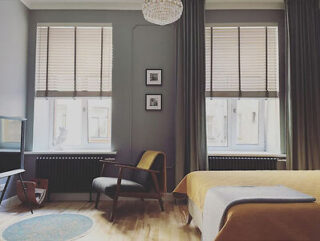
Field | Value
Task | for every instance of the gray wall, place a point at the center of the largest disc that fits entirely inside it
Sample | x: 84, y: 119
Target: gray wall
x: 137, y: 45
x: 13, y: 61
x: 13, y: 57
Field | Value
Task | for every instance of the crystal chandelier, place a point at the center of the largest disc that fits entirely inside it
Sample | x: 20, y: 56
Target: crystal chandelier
x: 162, y: 12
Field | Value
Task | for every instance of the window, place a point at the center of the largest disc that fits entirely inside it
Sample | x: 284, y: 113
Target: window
x: 10, y: 133
x: 72, y: 124
x: 73, y: 88
x: 242, y: 86
x: 217, y: 122
x: 99, y: 118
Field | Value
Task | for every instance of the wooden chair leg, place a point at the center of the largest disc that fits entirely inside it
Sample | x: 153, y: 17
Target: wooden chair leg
x: 156, y: 185
x: 115, y: 198
x: 114, y: 208
x: 189, y: 219
x: 97, y: 200
x: 161, y: 204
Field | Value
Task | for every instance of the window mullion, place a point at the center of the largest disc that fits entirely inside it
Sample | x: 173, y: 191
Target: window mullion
x: 239, y: 60
x: 231, y: 124
x: 47, y: 64
x: 267, y: 91
x: 75, y: 62
x: 262, y: 124
x: 51, y: 122
x: 101, y: 66
x: 85, y: 122
x: 211, y: 62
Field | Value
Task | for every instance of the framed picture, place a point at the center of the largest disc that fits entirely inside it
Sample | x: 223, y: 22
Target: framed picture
x: 153, y: 77
x: 153, y: 102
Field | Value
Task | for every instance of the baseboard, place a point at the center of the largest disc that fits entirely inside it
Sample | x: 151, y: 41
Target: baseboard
x: 86, y: 197
x: 11, y: 202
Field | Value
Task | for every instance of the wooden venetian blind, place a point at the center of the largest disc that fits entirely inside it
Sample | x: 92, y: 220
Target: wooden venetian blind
x: 74, y: 61
x: 242, y: 61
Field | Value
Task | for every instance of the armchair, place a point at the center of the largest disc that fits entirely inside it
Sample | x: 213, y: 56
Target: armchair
x: 148, y: 180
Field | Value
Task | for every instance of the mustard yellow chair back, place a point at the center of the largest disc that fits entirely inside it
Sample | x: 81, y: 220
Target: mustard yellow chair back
x: 147, y: 161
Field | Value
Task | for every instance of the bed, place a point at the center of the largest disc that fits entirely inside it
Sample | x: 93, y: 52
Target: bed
x: 258, y: 221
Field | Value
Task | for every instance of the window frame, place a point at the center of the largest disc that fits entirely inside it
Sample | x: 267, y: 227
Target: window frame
x: 261, y: 128
x: 232, y: 128
x: 231, y: 95
x: 85, y: 144
x: 83, y: 95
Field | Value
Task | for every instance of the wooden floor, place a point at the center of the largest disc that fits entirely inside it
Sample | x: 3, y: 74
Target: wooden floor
x: 136, y: 220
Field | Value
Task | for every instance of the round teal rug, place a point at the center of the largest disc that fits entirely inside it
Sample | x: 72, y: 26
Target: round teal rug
x: 52, y: 227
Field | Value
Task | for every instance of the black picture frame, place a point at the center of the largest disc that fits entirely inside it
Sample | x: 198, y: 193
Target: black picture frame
x: 156, y: 71
x: 149, y: 107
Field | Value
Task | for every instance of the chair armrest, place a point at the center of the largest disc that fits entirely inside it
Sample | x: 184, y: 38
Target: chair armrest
x: 115, y: 163
x: 110, y: 161
x: 136, y: 168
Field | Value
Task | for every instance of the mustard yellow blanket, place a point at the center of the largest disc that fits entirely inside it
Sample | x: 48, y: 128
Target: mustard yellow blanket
x: 272, y: 222
x: 196, y: 184
x: 262, y: 221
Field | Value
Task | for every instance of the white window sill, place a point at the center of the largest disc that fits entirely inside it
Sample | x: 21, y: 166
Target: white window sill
x: 9, y: 150
x: 76, y: 152
x: 249, y: 154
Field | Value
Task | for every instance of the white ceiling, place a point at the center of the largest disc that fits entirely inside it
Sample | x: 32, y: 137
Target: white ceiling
x: 136, y: 4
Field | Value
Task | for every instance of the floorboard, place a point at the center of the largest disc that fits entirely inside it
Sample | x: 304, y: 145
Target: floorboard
x: 136, y: 220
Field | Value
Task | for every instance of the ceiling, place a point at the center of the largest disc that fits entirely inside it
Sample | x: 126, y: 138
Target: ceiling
x: 136, y: 4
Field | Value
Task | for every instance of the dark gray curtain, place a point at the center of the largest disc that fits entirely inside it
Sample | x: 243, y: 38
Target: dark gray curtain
x: 191, y: 146
x: 303, y: 84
